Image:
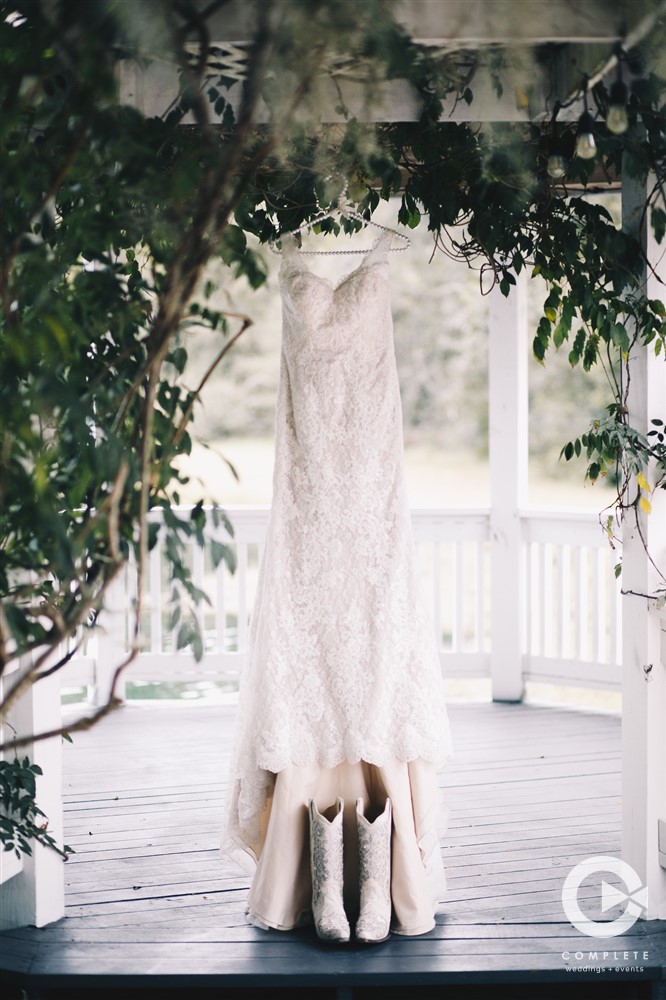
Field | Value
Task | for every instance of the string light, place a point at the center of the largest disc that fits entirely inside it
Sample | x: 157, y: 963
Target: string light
x: 557, y: 164
x: 557, y: 161
x: 586, y: 146
x: 617, y: 119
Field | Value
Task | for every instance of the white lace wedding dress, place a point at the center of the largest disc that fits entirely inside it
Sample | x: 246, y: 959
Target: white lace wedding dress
x: 342, y: 692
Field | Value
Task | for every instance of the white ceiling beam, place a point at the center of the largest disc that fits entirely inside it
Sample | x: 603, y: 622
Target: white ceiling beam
x: 587, y: 30
x: 477, y: 22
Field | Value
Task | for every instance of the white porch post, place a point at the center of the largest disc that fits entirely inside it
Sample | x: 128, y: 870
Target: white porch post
x: 507, y: 441
x: 36, y: 894
x: 643, y: 654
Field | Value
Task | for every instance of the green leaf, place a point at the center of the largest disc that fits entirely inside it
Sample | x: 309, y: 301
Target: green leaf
x: 217, y: 551
x: 183, y: 637
x: 153, y: 534
x: 658, y: 223
x: 538, y: 349
x: 232, y: 244
x: 178, y: 358
x: 619, y: 336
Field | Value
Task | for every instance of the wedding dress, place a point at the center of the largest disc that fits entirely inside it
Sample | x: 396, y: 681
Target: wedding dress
x: 342, y: 692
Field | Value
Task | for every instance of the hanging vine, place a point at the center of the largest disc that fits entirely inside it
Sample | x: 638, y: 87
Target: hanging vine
x: 486, y: 194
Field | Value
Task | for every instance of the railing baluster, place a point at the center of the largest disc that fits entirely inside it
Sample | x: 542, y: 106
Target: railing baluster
x: 583, y: 603
x: 155, y: 597
x: 528, y: 599
x: 242, y: 596
x: 564, y: 636
x: 479, y: 594
x: 541, y: 597
x: 198, y: 580
x: 576, y: 589
x: 460, y: 596
x: 437, y: 593
x: 454, y: 598
x: 601, y: 609
x: 220, y: 607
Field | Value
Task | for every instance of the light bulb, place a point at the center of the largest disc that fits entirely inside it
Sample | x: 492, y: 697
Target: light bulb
x: 617, y: 119
x: 557, y: 165
x: 586, y: 147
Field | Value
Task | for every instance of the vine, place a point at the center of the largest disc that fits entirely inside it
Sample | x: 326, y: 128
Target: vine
x: 488, y: 199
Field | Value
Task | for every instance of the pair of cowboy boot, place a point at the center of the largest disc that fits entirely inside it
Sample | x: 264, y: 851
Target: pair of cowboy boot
x: 326, y: 858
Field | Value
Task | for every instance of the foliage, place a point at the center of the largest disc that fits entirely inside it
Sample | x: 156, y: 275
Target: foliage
x: 108, y: 221
x: 21, y: 819
x: 109, y: 218
x: 492, y: 181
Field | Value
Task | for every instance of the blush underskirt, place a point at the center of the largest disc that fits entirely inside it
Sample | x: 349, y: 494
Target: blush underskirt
x: 281, y: 888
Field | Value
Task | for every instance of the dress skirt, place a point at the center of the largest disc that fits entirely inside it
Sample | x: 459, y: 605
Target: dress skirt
x: 280, y: 895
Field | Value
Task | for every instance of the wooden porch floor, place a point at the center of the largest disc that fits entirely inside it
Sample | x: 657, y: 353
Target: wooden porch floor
x: 151, y: 905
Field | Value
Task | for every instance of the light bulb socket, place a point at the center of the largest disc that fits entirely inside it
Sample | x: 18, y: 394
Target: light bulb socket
x: 618, y: 93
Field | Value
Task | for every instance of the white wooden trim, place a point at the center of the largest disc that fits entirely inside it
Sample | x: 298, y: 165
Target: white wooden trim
x: 507, y: 439
x: 469, y: 23
x: 575, y: 673
x: 644, y: 669
x: 36, y: 894
x: 10, y: 864
x: 465, y: 665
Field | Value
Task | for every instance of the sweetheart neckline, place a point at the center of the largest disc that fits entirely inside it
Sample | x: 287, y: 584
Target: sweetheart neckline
x: 334, y: 285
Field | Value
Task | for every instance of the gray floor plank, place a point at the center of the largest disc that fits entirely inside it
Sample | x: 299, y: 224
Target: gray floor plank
x: 531, y: 791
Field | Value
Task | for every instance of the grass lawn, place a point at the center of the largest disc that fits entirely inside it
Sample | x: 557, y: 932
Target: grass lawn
x: 435, y: 478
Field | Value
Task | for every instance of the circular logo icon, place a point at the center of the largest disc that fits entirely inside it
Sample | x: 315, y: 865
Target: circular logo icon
x: 635, y: 896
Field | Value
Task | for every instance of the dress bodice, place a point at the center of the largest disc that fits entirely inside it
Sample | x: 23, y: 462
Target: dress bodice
x: 327, y: 318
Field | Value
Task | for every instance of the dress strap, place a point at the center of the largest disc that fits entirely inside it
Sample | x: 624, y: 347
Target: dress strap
x: 291, y: 257
x: 381, y: 248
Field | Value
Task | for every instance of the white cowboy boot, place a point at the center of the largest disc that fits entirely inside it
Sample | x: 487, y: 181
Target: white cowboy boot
x: 328, y: 909
x: 374, y: 861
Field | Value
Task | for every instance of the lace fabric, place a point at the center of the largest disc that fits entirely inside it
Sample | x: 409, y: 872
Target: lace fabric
x: 342, y: 662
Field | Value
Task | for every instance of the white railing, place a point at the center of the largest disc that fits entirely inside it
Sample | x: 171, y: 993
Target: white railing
x: 572, y: 616
x: 570, y: 620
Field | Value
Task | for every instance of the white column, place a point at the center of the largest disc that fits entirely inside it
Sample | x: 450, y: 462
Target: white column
x: 643, y: 666
x: 36, y: 895
x: 507, y: 442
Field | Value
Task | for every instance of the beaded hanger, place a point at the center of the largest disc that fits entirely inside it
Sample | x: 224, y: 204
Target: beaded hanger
x: 342, y: 209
